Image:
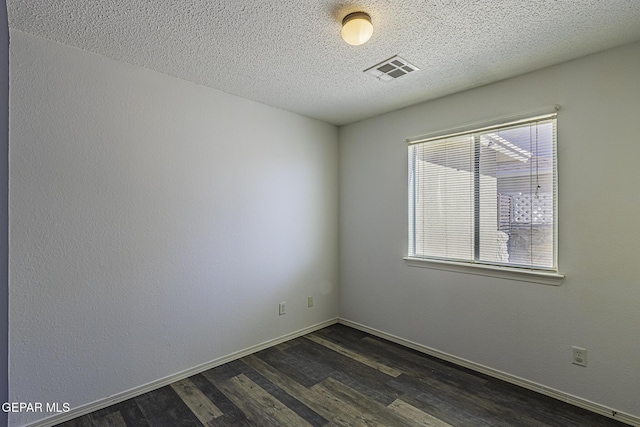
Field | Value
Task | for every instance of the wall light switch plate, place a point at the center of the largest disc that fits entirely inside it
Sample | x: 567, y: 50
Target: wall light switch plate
x: 281, y: 308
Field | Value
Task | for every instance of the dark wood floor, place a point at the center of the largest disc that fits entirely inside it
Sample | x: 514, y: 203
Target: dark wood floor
x: 339, y: 376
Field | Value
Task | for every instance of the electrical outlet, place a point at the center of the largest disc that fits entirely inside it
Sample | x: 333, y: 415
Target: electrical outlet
x: 579, y: 356
x: 310, y: 302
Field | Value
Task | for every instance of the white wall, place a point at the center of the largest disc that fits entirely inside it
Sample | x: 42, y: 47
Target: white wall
x: 4, y: 207
x: 155, y: 224
x: 520, y: 328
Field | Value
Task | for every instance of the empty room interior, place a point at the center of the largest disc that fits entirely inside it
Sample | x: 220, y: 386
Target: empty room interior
x: 187, y: 183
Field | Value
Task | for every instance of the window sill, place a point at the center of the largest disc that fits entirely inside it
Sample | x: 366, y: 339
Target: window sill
x: 534, y: 276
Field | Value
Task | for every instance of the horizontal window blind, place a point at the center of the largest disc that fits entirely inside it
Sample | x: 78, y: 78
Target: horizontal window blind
x: 486, y: 196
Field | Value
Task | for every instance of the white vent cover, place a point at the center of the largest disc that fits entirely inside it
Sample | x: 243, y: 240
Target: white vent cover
x: 391, y: 69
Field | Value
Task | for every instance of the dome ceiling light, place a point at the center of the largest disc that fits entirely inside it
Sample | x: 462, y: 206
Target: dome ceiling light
x: 357, y: 28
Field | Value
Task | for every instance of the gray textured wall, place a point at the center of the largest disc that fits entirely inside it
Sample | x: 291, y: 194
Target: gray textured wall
x: 4, y: 196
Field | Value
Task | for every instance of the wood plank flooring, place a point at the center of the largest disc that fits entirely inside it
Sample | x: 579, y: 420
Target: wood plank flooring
x: 340, y: 376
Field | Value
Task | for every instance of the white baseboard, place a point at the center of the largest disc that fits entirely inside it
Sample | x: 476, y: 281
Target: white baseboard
x: 137, y: 391
x: 154, y: 385
x: 547, y: 391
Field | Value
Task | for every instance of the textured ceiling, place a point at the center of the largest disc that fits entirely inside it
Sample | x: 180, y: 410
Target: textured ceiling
x: 289, y: 54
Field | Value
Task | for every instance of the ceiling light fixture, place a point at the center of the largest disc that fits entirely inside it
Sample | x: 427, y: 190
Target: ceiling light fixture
x: 357, y: 28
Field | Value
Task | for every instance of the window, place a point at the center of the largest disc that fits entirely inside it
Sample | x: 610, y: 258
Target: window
x: 486, y: 197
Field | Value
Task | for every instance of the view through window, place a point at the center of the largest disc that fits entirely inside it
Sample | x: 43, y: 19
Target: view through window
x: 487, y: 196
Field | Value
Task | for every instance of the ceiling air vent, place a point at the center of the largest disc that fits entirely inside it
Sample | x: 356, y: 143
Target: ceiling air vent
x: 391, y: 69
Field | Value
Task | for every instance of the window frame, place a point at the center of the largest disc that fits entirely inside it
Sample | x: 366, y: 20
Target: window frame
x: 521, y: 273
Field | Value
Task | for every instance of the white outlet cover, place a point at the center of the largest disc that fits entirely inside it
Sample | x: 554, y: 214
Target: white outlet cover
x: 579, y: 356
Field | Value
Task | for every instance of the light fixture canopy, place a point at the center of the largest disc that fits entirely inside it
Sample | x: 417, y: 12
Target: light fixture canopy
x: 357, y: 28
